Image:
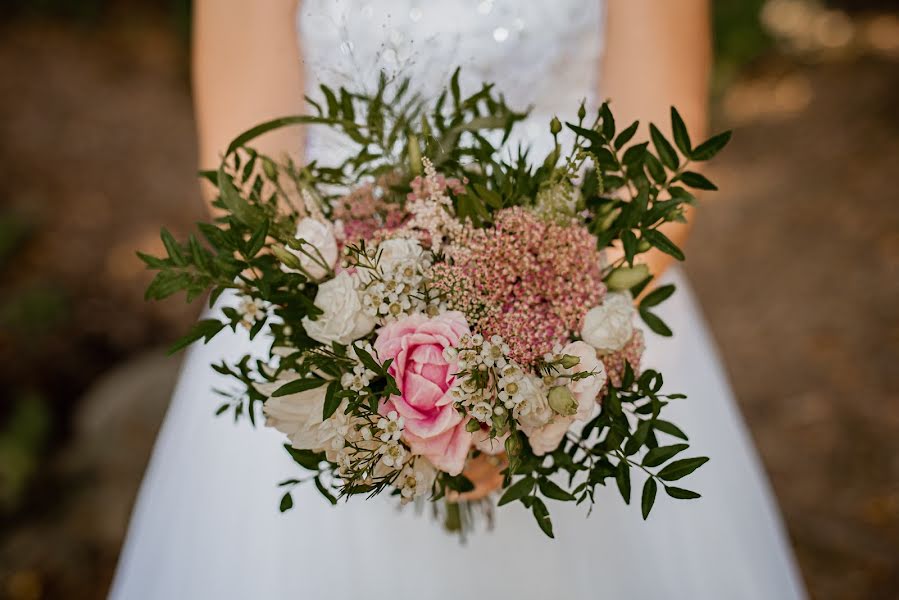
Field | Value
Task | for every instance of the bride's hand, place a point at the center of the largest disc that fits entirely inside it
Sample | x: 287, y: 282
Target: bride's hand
x: 485, y: 473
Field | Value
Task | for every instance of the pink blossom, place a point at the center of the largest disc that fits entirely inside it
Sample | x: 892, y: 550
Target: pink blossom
x: 433, y: 426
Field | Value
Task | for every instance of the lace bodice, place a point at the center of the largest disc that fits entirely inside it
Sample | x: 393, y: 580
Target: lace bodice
x: 540, y: 53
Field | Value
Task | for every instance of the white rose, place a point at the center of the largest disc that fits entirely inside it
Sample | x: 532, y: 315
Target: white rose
x: 320, y: 243
x: 587, y: 389
x: 343, y: 320
x: 397, y: 251
x: 534, y: 409
x: 299, y: 417
x: 609, y: 326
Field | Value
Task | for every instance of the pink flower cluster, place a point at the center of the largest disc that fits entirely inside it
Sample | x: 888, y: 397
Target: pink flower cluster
x: 527, y: 280
x: 424, y: 187
x: 365, y: 214
x: 614, y: 362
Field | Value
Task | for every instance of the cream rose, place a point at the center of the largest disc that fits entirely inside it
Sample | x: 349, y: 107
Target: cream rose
x: 533, y: 410
x: 320, y: 243
x: 299, y: 417
x: 609, y: 326
x: 343, y: 320
x: 397, y: 251
x: 587, y: 389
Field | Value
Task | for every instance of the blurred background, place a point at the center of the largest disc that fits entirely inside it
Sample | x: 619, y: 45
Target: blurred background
x: 96, y: 152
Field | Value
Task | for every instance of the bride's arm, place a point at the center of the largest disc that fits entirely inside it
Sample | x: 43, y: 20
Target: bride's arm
x: 246, y: 70
x: 658, y: 55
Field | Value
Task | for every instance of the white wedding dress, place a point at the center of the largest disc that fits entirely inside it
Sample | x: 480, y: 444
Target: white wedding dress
x: 207, y: 525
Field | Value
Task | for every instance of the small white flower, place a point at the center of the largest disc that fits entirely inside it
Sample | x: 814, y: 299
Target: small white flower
x: 393, y: 455
x: 391, y: 427
x: 416, y: 480
x: 253, y: 309
x: 482, y: 411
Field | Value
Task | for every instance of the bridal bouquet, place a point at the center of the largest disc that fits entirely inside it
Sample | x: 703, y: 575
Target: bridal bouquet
x: 438, y: 297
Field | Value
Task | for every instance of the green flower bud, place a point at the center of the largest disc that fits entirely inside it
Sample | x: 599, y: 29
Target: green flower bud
x: 472, y: 426
x: 624, y: 278
x: 582, y: 112
x: 569, y: 361
x: 643, y: 246
x: 562, y: 401
x: 414, y: 155
x: 289, y: 259
x: 269, y: 168
x: 555, y: 126
x: 609, y: 219
x: 513, y: 444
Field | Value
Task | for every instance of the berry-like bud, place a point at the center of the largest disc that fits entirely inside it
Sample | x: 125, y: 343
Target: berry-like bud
x: 555, y: 126
x: 562, y: 401
x: 624, y: 278
x: 569, y: 361
x: 513, y: 444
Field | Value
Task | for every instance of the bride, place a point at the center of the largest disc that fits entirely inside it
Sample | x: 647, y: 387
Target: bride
x: 207, y: 525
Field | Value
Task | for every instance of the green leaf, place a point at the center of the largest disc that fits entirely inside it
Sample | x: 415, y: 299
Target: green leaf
x: 648, y: 497
x: 324, y: 491
x: 152, y: 262
x: 459, y: 483
x: 681, y: 137
x: 665, y: 150
x: 629, y: 242
x: 696, y: 181
x: 710, y: 147
x: 661, y: 241
x: 608, y: 121
x: 298, y: 385
x: 205, y: 328
x: 286, y: 502
x: 655, y: 168
x: 659, y: 455
x: 242, y: 210
x: 305, y: 458
x: 656, y: 324
x: 682, y: 468
x: 623, y: 479
x: 594, y: 137
x: 657, y: 296
x: 517, y: 490
x: 549, y: 489
x: 541, y: 513
x: 681, y: 493
x: 669, y: 428
x: 258, y: 240
x: 454, y: 88
x: 625, y: 136
x: 332, y: 400
x: 172, y: 247
x: 370, y: 363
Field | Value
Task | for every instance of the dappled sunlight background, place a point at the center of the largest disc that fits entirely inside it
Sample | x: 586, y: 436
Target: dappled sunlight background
x: 796, y: 264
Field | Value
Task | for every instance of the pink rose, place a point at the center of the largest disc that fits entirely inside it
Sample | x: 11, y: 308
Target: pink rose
x: 433, y: 427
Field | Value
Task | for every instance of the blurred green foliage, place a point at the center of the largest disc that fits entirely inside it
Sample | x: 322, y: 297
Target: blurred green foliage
x: 739, y: 38
x: 23, y: 438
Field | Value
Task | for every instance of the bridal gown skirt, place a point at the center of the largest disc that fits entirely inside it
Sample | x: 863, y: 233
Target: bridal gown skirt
x: 206, y: 524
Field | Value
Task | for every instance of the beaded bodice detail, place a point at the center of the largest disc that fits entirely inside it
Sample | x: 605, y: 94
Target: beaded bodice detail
x: 539, y: 53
